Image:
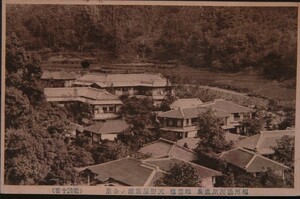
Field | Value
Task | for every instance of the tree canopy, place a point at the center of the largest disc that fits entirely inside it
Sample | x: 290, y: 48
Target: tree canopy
x: 35, y: 130
x: 212, y: 136
x: 219, y: 38
x: 179, y: 175
x: 139, y: 113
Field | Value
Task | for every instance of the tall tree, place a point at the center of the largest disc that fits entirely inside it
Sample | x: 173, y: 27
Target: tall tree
x: 179, y: 175
x: 17, y: 108
x: 212, y: 136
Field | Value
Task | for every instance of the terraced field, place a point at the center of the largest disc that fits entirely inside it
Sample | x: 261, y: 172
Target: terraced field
x: 248, y: 82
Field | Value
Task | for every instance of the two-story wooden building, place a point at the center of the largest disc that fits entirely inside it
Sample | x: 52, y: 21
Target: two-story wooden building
x: 105, y: 105
x: 140, y: 84
x: 184, y: 121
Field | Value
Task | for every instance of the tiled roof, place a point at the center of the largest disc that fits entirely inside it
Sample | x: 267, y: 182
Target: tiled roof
x: 163, y: 148
x: 134, y: 172
x: 157, y: 148
x: 220, y: 107
x: 227, y: 106
x: 86, y: 94
x: 110, y: 126
x: 59, y: 75
x: 191, y: 142
x: 186, y: 102
x: 166, y: 163
x: 123, y: 80
x: 190, y: 112
x: 92, y: 78
x: 250, y: 161
x: 172, y: 114
x: 233, y: 137
x: 183, y: 113
x: 263, y: 142
x: 128, y: 171
x: 238, y: 157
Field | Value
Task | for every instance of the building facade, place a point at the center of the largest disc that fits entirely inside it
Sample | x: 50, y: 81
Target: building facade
x: 184, y: 121
x: 104, y: 104
x: 141, y: 84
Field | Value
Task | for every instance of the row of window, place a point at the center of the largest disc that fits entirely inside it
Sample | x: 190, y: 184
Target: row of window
x: 105, y: 109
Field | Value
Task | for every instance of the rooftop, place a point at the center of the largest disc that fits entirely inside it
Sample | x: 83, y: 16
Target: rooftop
x: 85, y: 94
x: 186, y: 102
x: 221, y: 107
x: 265, y: 141
x: 227, y: 106
x: 123, y: 80
x: 191, y: 142
x: 107, y: 127
x: 166, y: 163
x: 163, y: 147
x: 134, y: 172
x: 251, y: 162
x: 128, y: 171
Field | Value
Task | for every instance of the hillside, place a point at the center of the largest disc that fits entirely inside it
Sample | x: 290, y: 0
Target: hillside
x: 217, y: 38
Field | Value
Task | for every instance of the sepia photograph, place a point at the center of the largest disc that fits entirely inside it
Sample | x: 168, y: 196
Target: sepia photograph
x: 148, y: 99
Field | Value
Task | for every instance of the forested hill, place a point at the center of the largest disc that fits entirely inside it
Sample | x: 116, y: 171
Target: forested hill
x: 221, y: 38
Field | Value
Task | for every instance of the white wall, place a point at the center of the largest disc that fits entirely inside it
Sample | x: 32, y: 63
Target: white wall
x: 207, y: 182
x: 110, y: 137
x: 192, y: 134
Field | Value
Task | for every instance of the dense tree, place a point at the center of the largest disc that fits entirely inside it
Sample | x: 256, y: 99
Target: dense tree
x: 288, y: 120
x: 109, y: 151
x: 85, y: 64
x: 35, y: 150
x: 218, y: 38
x: 284, y: 150
x: 212, y: 137
x: 17, y: 108
x: 15, y: 55
x: 78, y: 110
x: 254, y: 126
x: 179, y: 175
x: 138, y: 113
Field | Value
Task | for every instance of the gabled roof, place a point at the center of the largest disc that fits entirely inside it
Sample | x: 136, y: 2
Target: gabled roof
x: 59, y: 75
x: 185, y: 102
x: 227, y: 106
x: 190, y: 141
x: 123, y: 80
x: 84, y: 94
x: 251, y: 162
x: 108, y: 127
x: 166, y: 163
x: 128, y: 171
x: 133, y: 172
x: 190, y: 112
x: 183, y: 113
x: 221, y: 108
x: 163, y: 147
x: 264, y: 142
